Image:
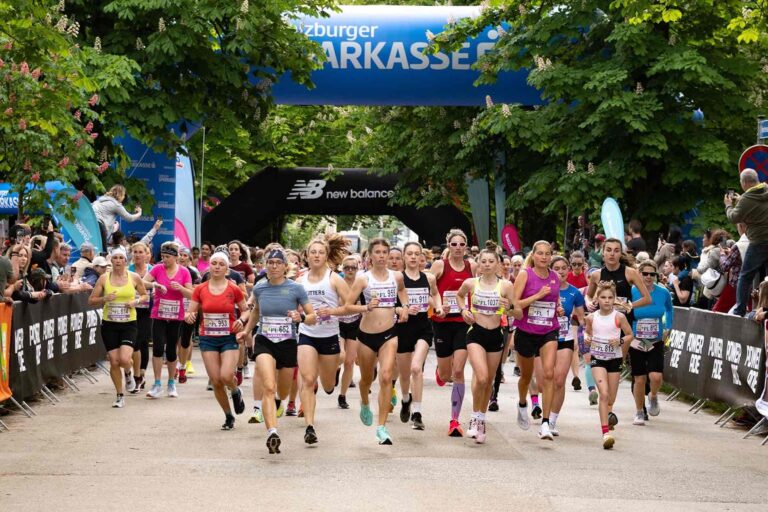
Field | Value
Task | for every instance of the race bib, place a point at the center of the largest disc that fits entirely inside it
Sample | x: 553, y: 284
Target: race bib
x: 600, y: 348
x: 565, y: 327
x: 348, y: 319
x: 276, y: 328
x: 216, y: 324
x: 486, y: 303
x: 118, y: 312
x: 541, y: 313
x: 386, y: 293
x: 450, y: 303
x: 168, y: 309
x: 648, y: 329
x: 419, y: 297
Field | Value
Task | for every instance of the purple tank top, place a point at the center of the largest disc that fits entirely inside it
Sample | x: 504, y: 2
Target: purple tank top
x: 541, y: 316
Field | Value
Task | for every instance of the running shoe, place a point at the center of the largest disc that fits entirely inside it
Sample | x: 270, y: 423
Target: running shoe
x: 247, y: 372
x: 553, y: 429
x: 516, y: 371
x: 229, y: 423
x: 310, y: 436
x: 119, y: 402
x: 493, y: 405
x: 171, y: 391
x: 536, y: 412
x: 576, y: 383
x: 393, y: 400
x: 138, y: 385
x: 190, y: 369
x: 418, y: 424
x: 343, y: 402
x: 613, y: 420
x: 593, y: 396
x: 182, y: 375
x: 480, y: 437
x: 472, y: 430
x: 638, y: 419
x: 645, y: 413
x: 156, y: 391
x: 130, y: 384
x: 544, y: 432
x: 273, y: 443
x: 383, y: 436
x: 454, y: 429
x: 239, y: 376
x: 142, y: 382
x: 281, y: 410
x: 291, y: 409
x: 522, y: 417
x: 257, y: 416
x: 237, y: 401
x: 209, y: 387
x: 366, y: 416
x: 439, y: 381
x: 653, y: 406
x: 405, y: 409
x: 608, y: 441
x: 761, y: 406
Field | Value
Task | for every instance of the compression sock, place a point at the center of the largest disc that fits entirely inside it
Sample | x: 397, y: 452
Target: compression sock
x: 590, y: 379
x: 457, y: 399
x: 534, y: 400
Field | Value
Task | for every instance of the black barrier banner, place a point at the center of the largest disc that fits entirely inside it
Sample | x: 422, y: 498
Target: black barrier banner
x: 715, y: 356
x: 53, y: 338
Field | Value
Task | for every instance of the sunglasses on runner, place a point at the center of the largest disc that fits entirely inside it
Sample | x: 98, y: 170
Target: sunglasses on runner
x: 647, y: 274
x: 350, y: 269
x: 458, y: 244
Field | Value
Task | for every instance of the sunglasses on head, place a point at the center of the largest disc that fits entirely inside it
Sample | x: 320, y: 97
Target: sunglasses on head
x: 647, y: 274
x: 458, y: 244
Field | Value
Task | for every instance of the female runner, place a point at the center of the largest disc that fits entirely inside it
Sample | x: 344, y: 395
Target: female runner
x: 348, y: 327
x: 140, y: 264
x: 378, y: 338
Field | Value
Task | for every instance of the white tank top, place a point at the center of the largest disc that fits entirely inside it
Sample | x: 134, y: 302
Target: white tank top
x: 604, y: 329
x: 386, y: 291
x: 321, y: 295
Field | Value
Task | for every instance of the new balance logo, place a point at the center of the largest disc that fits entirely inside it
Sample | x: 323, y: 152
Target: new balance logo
x: 307, y: 189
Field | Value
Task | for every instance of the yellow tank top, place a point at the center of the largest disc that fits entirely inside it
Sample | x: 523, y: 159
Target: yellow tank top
x: 486, y: 302
x: 119, y: 310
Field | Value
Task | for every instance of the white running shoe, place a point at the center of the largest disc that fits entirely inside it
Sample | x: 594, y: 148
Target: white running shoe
x: 762, y: 407
x: 653, y: 406
x: 480, y: 426
x: 473, y: 428
x: 553, y: 429
x: 172, y: 391
x: 130, y: 383
x: 155, y: 392
x: 522, y: 417
x: 544, y: 432
x: 246, y: 372
x: 119, y: 402
x: 639, y: 419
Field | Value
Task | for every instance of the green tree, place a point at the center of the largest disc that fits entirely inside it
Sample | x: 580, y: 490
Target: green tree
x: 49, y: 127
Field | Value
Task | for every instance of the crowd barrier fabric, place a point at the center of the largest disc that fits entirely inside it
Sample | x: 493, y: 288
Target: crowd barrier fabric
x: 53, y: 338
x: 6, y: 313
x: 715, y: 356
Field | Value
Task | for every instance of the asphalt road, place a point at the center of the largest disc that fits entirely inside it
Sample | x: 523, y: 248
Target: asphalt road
x: 171, y: 454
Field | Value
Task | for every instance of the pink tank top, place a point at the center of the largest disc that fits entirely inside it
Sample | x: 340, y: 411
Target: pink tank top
x: 541, y: 316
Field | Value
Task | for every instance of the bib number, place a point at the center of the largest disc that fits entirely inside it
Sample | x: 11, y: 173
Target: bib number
x: 216, y: 324
x: 450, y: 303
x: 276, y: 328
x: 541, y: 313
x: 118, y: 312
x: 419, y: 297
x: 565, y: 327
x: 600, y: 348
x: 648, y: 329
x: 168, y: 309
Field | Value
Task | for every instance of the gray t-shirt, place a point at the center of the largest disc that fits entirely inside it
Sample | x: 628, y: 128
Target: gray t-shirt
x: 6, y: 273
x: 274, y: 303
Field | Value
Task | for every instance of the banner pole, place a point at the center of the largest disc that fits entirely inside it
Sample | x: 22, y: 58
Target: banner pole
x: 703, y: 404
x: 3, y: 425
x: 47, y: 394
x: 727, y: 411
x: 17, y: 404
x: 70, y: 383
x: 729, y: 418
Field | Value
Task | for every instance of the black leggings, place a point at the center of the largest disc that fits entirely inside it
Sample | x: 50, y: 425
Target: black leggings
x: 144, y: 325
x: 497, y: 381
x: 165, y: 334
x: 186, y: 334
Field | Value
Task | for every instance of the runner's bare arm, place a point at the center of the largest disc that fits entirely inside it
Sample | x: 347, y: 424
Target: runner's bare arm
x: 633, y: 276
x: 357, y: 288
x: 97, y: 295
x: 342, y: 290
x: 402, y: 294
x: 508, y: 292
x: 437, y: 268
x: 140, y: 288
x: 437, y: 300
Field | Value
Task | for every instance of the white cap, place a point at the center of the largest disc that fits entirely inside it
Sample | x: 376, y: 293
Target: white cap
x: 100, y: 261
x: 220, y: 256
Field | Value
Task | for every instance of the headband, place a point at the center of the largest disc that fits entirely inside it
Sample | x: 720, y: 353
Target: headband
x: 276, y: 254
x: 169, y: 250
x: 220, y: 256
x: 118, y: 251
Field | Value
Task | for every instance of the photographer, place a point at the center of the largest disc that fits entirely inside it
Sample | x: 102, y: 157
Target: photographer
x: 751, y: 208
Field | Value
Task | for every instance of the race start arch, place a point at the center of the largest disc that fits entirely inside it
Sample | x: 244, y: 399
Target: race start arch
x: 374, y: 56
x: 275, y: 192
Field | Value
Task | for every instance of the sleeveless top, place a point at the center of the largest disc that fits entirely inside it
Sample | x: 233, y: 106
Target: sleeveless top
x: 418, y: 295
x: 386, y: 291
x: 604, y: 329
x: 448, y: 284
x: 623, y: 287
x: 541, y: 316
x: 118, y: 310
x: 147, y: 303
x: 486, y: 302
x: 321, y: 294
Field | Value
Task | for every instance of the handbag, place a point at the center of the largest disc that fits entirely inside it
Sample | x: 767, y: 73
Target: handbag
x: 713, y: 282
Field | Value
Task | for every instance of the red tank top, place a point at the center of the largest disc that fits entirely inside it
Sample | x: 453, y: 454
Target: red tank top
x: 448, y: 284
